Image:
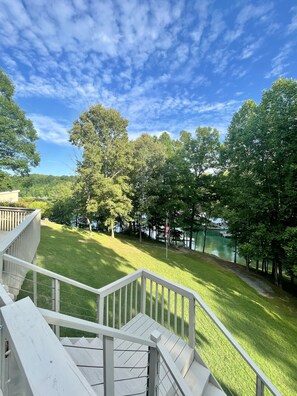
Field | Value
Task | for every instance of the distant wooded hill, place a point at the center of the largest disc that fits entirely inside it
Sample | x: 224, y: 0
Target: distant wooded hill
x: 40, y: 186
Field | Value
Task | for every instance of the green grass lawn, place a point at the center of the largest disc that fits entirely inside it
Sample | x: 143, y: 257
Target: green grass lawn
x: 266, y: 328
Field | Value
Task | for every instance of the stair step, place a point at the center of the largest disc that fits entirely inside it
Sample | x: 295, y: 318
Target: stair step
x: 197, y: 378
x: 212, y: 390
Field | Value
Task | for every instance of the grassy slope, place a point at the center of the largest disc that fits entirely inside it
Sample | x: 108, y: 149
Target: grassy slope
x: 266, y: 328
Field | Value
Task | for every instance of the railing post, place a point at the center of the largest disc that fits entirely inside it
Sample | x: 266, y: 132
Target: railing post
x: 108, y: 365
x: 143, y: 294
x: 259, y: 387
x: 192, y: 322
x: 56, y: 302
x: 153, y: 366
x: 100, y: 309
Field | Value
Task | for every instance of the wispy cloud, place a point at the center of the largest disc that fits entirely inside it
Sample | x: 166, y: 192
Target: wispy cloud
x: 51, y: 130
x: 293, y: 24
x: 279, y: 62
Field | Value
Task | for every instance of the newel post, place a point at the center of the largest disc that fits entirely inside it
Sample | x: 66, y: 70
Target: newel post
x: 108, y: 365
x: 1, y: 266
x: 153, y: 366
x: 143, y: 294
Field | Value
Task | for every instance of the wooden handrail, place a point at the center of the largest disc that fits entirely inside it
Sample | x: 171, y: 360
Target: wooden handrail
x: 48, y: 273
x: 58, y: 319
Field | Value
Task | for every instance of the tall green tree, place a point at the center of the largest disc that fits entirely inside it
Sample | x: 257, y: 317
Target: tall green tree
x: 103, y: 181
x: 261, y: 161
x: 17, y: 134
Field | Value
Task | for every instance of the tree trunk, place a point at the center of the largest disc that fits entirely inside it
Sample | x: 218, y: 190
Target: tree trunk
x: 235, y: 251
x: 196, y: 238
x: 112, y: 228
x: 204, y: 238
x: 257, y: 265
x: 140, y: 236
x: 89, y: 225
x: 247, y: 263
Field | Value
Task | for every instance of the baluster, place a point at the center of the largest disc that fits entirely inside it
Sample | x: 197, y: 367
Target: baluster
x: 113, y: 309
x: 162, y: 307
x: 131, y: 299
x: 107, y: 310
x: 183, y: 317
x: 136, y: 296
x: 175, y: 312
x: 126, y: 302
x: 168, y: 312
x: 156, y: 306
x: 108, y: 365
x: 120, y: 308
x: 151, y: 298
x: 143, y: 295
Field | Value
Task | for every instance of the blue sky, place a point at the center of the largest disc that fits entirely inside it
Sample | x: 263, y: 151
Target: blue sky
x: 165, y: 65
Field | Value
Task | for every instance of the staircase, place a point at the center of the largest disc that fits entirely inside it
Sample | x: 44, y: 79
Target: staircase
x: 130, y: 362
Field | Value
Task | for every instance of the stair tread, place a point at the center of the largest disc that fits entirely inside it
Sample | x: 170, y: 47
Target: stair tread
x: 197, y: 378
x: 212, y: 390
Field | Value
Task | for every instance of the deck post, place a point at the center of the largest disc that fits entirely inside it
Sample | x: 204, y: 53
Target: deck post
x: 108, y: 365
x: 192, y: 323
x: 143, y: 294
x: 153, y: 366
x: 259, y: 387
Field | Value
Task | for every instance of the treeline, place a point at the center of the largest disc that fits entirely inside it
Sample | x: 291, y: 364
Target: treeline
x: 250, y: 179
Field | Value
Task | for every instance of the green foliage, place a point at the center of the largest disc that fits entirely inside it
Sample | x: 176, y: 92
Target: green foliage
x: 260, y: 183
x: 103, y: 183
x: 17, y: 134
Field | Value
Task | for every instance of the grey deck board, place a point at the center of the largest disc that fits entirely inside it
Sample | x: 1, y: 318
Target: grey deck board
x: 131, y: 359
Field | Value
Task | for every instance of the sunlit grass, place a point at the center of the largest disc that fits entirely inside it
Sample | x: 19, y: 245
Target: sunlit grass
x: 266, y: 328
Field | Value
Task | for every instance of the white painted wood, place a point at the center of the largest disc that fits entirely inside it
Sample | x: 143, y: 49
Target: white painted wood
x: 50, y: 274
x: 192, y: 324
x: 118, y: 284
x: 62, y: 320
x: 46, y: 366
x: 212, y: 390
x: 5, y: 298
x: 143, y: 296
x: 197, y: 378
x: 108, y: 365
x: 176, y: 374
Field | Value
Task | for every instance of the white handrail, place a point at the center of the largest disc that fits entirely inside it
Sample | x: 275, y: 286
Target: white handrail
x: 58, y: 319
x: 118, y: 284
x: 48, y: 273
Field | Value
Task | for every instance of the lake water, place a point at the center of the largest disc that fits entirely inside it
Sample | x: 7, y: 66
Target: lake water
x: 217, y: 245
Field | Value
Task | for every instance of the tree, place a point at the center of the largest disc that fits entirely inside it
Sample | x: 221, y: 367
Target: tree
x: 103, y: 180
x: 17, y: 133
x: 261, y: 162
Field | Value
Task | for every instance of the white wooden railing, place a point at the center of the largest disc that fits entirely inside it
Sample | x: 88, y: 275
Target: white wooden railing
x: 179, y: 309
x: 10, y: 218
x: 21, y: 241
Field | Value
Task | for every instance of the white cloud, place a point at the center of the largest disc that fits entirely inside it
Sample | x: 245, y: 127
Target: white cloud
x: 293, y: 24
x: 50, y: 130
x: 279, y: 62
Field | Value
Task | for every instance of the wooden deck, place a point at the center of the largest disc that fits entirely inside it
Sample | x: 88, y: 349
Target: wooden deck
x: 130, y: 362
